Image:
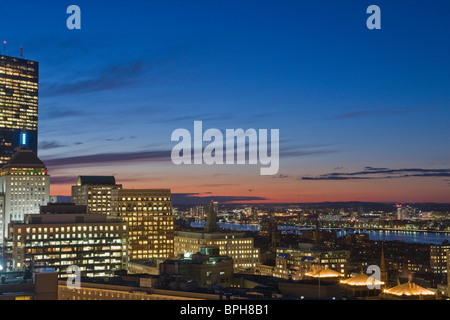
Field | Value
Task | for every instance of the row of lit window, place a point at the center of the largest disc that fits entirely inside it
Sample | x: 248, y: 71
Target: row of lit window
x: 105, y: 251
x: 29, y: 178
x: 145, y: 222
x: 143, y: 208
x: 67, y: 236
x: 73, y: 229
x: 25, y: 201
x: 73, y: 242
x: 145, y: 199
x: 33, y: 177
x: 108, y: 295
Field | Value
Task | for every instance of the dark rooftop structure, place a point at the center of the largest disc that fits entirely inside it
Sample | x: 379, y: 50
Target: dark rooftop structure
x: 33, y: 284
x: 63, y: 208
x: 24, y: 158
x: 96, y: 180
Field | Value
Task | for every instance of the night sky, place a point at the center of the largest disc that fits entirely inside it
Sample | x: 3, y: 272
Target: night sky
x: 363, y: 114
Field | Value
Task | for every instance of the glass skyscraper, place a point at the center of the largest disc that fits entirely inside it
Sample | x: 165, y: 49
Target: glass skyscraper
x: 19, y: 88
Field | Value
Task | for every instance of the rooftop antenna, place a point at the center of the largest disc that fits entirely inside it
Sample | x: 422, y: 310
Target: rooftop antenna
x: 4, y: 47
x: 21, y: 51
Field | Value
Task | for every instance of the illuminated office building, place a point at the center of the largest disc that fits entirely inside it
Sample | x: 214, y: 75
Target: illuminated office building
x: 438, y: 258
x: 197, y: 211
x: 2, y: 215
x: 233, y: 244
x: 19, y: 86
x: 95, y: 192
x: 405, y: 212
x: 24, y: 186
x: 63, y: 235
x: 303, y: 259
x: 448, y: 273
x: 149, y: 216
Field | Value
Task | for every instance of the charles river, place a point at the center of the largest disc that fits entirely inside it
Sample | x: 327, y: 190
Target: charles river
x: 376, y: 235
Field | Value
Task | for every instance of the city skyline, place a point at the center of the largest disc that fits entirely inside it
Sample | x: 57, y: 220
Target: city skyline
x: 362, y: 113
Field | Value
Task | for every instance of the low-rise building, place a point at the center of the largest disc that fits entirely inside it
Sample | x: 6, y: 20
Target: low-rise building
x: 301, y: 260
x: 207, y: 267
x: 94, y: 243
x: 233, y: 244
x: 37, y: 284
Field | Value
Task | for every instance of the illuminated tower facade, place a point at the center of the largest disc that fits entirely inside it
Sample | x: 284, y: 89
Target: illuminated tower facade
x: 150, y: 220
x: 19, y: 88
x: 24, y: 187
x: 95, y: 192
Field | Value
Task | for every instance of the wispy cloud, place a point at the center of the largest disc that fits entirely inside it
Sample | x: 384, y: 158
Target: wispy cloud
x: 47, y: 145
x: 372, y: 113
x: 58, y: 112
x: 112, y: 77
x: 107, y: 158
x: 281, y: 176
x: 215, y: 185
x: 304, y: 153
x: 370, y: 173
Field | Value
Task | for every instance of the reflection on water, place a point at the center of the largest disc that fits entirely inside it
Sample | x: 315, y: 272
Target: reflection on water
x: 230, y: 226
x: 387, y: 235
x: 375, y: 235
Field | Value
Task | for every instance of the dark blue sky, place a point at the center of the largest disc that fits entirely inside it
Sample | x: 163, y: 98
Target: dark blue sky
x: 344, y: 97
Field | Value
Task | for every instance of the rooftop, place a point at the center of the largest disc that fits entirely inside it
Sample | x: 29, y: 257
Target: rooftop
x: 60, y: 208
x: 361, y: 280
x: 24, y: 158
x: 210, y: 235
x: 408, y: 289
x: 96, y: 180
x: 324, y: 273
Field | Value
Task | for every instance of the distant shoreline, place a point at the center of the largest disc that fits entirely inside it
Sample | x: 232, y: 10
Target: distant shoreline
x: 375, y: 229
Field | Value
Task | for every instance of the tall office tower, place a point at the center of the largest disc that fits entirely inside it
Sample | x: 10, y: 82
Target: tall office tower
x: 405, y: 212
x: 197, y: 211
x: 65, y: 235
x: 19, y: 87
x: 211, y: 220
x: 95, y: 193
x: 25, y: 186
x: 150, y: 221
x: 254, y: 213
